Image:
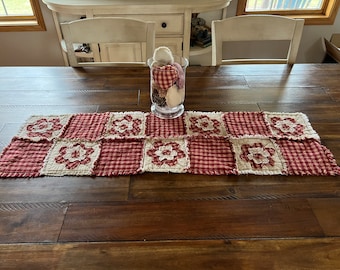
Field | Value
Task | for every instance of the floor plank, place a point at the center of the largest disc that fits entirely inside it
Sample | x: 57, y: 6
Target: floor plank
x: 258, y: 94
x: 31, y: 222
x: 67, y: 189
x: 327, y: 211
x: 18, y: 114
x: 267, y: 254
x: 149, y: 187
x: 189, y: 220
x: 71, y: 97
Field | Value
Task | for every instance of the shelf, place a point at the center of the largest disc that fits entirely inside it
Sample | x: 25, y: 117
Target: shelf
x: 78, y: 54
x: 194, y: 51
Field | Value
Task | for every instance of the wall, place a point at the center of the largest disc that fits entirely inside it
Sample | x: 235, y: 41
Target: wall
x: 42, y: 48
x: 39, y: 48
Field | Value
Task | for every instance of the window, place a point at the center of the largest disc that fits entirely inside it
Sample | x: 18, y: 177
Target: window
x: 21, y: 15
x: 313, y: 11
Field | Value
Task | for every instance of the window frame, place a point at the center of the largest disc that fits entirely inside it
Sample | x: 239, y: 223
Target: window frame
x: 24, y: 23
x: 325, y: 16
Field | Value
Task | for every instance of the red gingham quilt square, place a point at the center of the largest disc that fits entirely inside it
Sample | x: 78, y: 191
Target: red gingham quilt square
x: 126, y: 125
x: 23, y: 158
x: 164, y: 128
x: 212, y: 155
x: 205, y: 124
x: 258, y: 156
x: 88, y: 126
x: 240, y: 124
x: 293, y: 126
x: 71, y: 157
x: 120, y: 157
x: 307, y: 157
x: 165, y: 155
x: 44, y: 127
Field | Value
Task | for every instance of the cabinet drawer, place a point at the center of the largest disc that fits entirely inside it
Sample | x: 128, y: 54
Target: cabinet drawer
x: 166, y: 24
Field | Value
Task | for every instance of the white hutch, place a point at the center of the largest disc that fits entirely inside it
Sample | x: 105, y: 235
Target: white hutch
x: 172, y: 17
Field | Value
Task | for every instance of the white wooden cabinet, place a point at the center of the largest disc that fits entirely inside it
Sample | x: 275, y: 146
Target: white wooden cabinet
x: 172, y: 17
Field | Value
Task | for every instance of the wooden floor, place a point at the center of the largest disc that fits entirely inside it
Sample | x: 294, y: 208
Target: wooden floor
x: 171, y: 221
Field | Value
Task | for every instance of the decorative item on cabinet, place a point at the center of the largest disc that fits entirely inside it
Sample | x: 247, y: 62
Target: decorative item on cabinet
x: 200, y: 32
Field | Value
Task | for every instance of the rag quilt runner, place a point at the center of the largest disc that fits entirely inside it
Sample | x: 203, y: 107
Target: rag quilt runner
x: 125, y: 143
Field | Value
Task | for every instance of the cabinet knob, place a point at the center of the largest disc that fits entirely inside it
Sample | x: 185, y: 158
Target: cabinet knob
x: 164, y: 25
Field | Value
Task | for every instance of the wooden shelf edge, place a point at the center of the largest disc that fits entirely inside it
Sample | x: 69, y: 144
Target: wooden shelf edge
x: 194, y: 51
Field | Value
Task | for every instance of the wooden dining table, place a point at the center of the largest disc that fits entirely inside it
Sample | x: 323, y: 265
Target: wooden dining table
x: 171, y: 220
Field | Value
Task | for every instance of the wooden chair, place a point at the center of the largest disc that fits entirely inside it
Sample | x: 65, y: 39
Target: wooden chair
x: 332, y: 47
x: 109, y: 39
x: 249, y: 28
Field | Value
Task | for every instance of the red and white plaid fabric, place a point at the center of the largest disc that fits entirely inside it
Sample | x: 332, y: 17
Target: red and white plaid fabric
x: 164, y: 128
x: 23, y: 158
x: 211, y: 156
x: 241, y: 124
x: 212, y: 143
x: 120, y: 157
x: 89, y: 126
x: 165, y: 76
x: 307, y: 157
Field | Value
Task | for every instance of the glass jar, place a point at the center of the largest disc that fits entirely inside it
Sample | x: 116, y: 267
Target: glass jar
x: 167, y: 87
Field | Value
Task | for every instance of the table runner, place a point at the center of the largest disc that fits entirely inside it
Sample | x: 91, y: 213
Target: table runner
x: 125, y: 143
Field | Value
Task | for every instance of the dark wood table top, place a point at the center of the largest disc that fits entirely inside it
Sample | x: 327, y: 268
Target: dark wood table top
x: 165, y: 220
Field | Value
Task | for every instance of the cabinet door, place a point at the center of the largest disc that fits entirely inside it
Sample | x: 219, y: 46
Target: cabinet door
x: 131, y: 51
x: 174, y: 44
x: 122, y: 52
